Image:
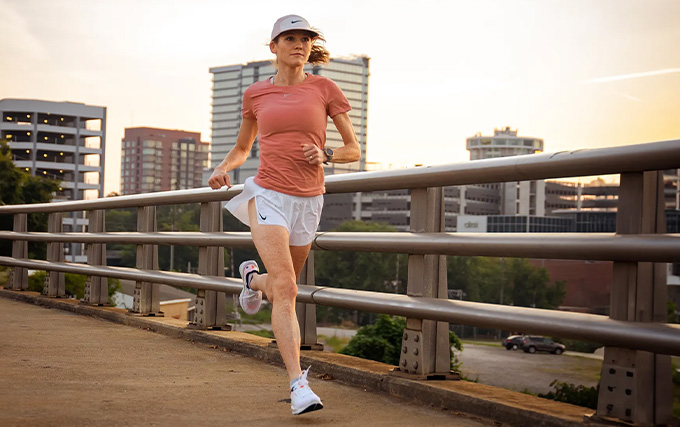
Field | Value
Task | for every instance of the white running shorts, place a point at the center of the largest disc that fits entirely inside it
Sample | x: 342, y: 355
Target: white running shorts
x: 299, y: 215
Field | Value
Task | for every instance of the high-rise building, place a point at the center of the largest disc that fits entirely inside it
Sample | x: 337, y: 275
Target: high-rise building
x: 64, y: 141
x: 230, y: 82
x: 161, y: 160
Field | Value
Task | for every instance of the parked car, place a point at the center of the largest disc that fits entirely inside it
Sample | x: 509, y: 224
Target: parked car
x: 532, y: 344
x: 512, y: 342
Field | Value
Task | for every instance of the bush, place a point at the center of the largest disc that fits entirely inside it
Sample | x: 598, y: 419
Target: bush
x: 579, y: 395
x: 579, y: 346
x: 382, y: 341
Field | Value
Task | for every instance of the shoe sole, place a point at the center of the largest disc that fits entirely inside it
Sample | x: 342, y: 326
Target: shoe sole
x: 241, y: 269
x: 310, y: 408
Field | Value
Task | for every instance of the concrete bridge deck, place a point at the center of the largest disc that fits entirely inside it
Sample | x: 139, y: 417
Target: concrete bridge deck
x: 60, y: 368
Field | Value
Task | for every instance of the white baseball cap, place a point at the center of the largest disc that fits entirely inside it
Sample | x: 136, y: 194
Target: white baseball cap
x: 291, y: 22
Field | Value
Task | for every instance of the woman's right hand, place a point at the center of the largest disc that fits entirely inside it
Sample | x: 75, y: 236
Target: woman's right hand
x: 219, y: 179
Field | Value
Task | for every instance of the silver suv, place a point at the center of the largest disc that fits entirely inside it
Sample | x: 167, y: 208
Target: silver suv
x: 532, y: 344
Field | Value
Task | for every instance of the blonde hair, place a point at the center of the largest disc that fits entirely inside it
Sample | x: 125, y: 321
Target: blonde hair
x: 319, y: 55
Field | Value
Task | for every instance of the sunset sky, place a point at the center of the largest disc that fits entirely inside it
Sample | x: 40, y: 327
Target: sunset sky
x: 577, y: 73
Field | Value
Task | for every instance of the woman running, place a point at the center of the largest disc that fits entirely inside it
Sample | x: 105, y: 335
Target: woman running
x: 282, y: 204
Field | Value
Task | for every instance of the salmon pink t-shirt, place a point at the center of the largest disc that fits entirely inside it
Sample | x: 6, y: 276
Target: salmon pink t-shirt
x: 287, y: 117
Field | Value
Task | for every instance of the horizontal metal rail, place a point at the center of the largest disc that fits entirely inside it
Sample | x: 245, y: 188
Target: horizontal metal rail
x: 601, y: 161
x: 596, y: 246
x: 654, y: 337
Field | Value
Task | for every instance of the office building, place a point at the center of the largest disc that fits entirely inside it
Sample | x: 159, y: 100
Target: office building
x: 230, y: 82
x: 161, y: 160
x: 503, y: 143
x: 64, y: 141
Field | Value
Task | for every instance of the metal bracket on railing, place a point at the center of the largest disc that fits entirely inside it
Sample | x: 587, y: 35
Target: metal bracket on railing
x: 146, y: 300
x: 426, y: 352
x: 55, y: 283
x: 96, y: 287
x: 18, y: 276
x: 211, y: 306
x: 635, y: 386
x: 306, y: 313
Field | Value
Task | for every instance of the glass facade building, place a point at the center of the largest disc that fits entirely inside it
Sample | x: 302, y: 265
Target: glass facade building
x: 230, y: 82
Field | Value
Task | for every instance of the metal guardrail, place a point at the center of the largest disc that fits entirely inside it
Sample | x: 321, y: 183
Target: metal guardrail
x: 592, y: 246
x: 637, y: 306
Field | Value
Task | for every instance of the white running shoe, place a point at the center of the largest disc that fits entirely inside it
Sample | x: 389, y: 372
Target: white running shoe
x: 302, y: 398
x: 249, y: 299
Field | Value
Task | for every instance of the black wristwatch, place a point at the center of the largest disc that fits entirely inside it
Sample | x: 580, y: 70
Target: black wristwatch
x: 329, y: 155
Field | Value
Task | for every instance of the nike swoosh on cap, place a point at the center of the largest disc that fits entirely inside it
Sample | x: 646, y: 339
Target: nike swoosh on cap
x: 294, y: 22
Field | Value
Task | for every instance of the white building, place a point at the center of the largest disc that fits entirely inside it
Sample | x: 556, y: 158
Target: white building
x: 230, y: 82
x: 59, y: 140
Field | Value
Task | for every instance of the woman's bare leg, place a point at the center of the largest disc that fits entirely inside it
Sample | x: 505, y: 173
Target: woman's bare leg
x: 283, y: 263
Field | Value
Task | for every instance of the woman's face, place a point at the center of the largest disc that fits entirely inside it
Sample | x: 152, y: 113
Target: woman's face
x: 292, y: 48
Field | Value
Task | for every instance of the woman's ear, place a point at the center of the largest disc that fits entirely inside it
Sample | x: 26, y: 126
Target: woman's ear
x: 272, y: 47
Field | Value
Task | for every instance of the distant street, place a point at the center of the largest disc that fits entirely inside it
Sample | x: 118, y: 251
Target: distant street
x: 517, y: 370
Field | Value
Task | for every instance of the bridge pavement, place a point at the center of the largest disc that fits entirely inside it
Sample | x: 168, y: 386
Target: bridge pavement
x: 60, y: 368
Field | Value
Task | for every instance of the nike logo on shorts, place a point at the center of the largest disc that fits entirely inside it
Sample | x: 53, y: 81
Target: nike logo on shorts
x: 264, y: 218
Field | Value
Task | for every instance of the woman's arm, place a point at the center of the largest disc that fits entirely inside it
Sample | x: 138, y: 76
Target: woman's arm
x: 236, y: 157
x: 349, y: 152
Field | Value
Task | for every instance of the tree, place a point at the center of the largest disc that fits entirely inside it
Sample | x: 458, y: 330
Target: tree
x: 382, y: 272
x: 19, y: 187
x: 504, y: 281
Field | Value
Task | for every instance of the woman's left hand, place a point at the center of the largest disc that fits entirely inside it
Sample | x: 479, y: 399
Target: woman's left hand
x: 313, y: 154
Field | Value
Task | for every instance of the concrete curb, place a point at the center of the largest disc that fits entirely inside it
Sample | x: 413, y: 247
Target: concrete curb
x: 503, y: 406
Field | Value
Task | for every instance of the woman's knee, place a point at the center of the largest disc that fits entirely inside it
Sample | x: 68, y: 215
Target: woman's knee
x: 282, y: 287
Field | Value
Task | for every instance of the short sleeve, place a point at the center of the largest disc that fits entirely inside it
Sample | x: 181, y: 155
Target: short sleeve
x: 337, y: 103
x: 247, y: 111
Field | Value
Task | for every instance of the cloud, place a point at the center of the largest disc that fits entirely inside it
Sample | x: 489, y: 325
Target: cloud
x: 631, y: 97
x: 633, y: 76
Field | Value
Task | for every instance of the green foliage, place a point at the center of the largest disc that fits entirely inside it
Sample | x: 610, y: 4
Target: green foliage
x: 19, y: 187
x: 511, y: 281
x: 382, y: 341
x: 185, y: 217
x: 672, y: 312
x: 335, y: 342
x: 574, y: 394
x: 382, y: 272
x: 74, y: 284
x: 579, y: 346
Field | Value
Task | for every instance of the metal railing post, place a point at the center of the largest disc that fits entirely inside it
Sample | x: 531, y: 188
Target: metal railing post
x: 146, y: 300
x: 18, y: 276
x: 55, y: 282
x: 211, y: 306
x: 426, y: 352
x: 96, y: 287
x: 306, y: 313
x: 636, y: 385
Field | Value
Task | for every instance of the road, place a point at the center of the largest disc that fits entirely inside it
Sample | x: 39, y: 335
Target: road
x: 517, y: 370
x: 63, y: 369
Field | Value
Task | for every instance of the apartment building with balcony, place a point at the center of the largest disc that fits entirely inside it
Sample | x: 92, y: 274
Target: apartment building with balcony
x: 64, y: 141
